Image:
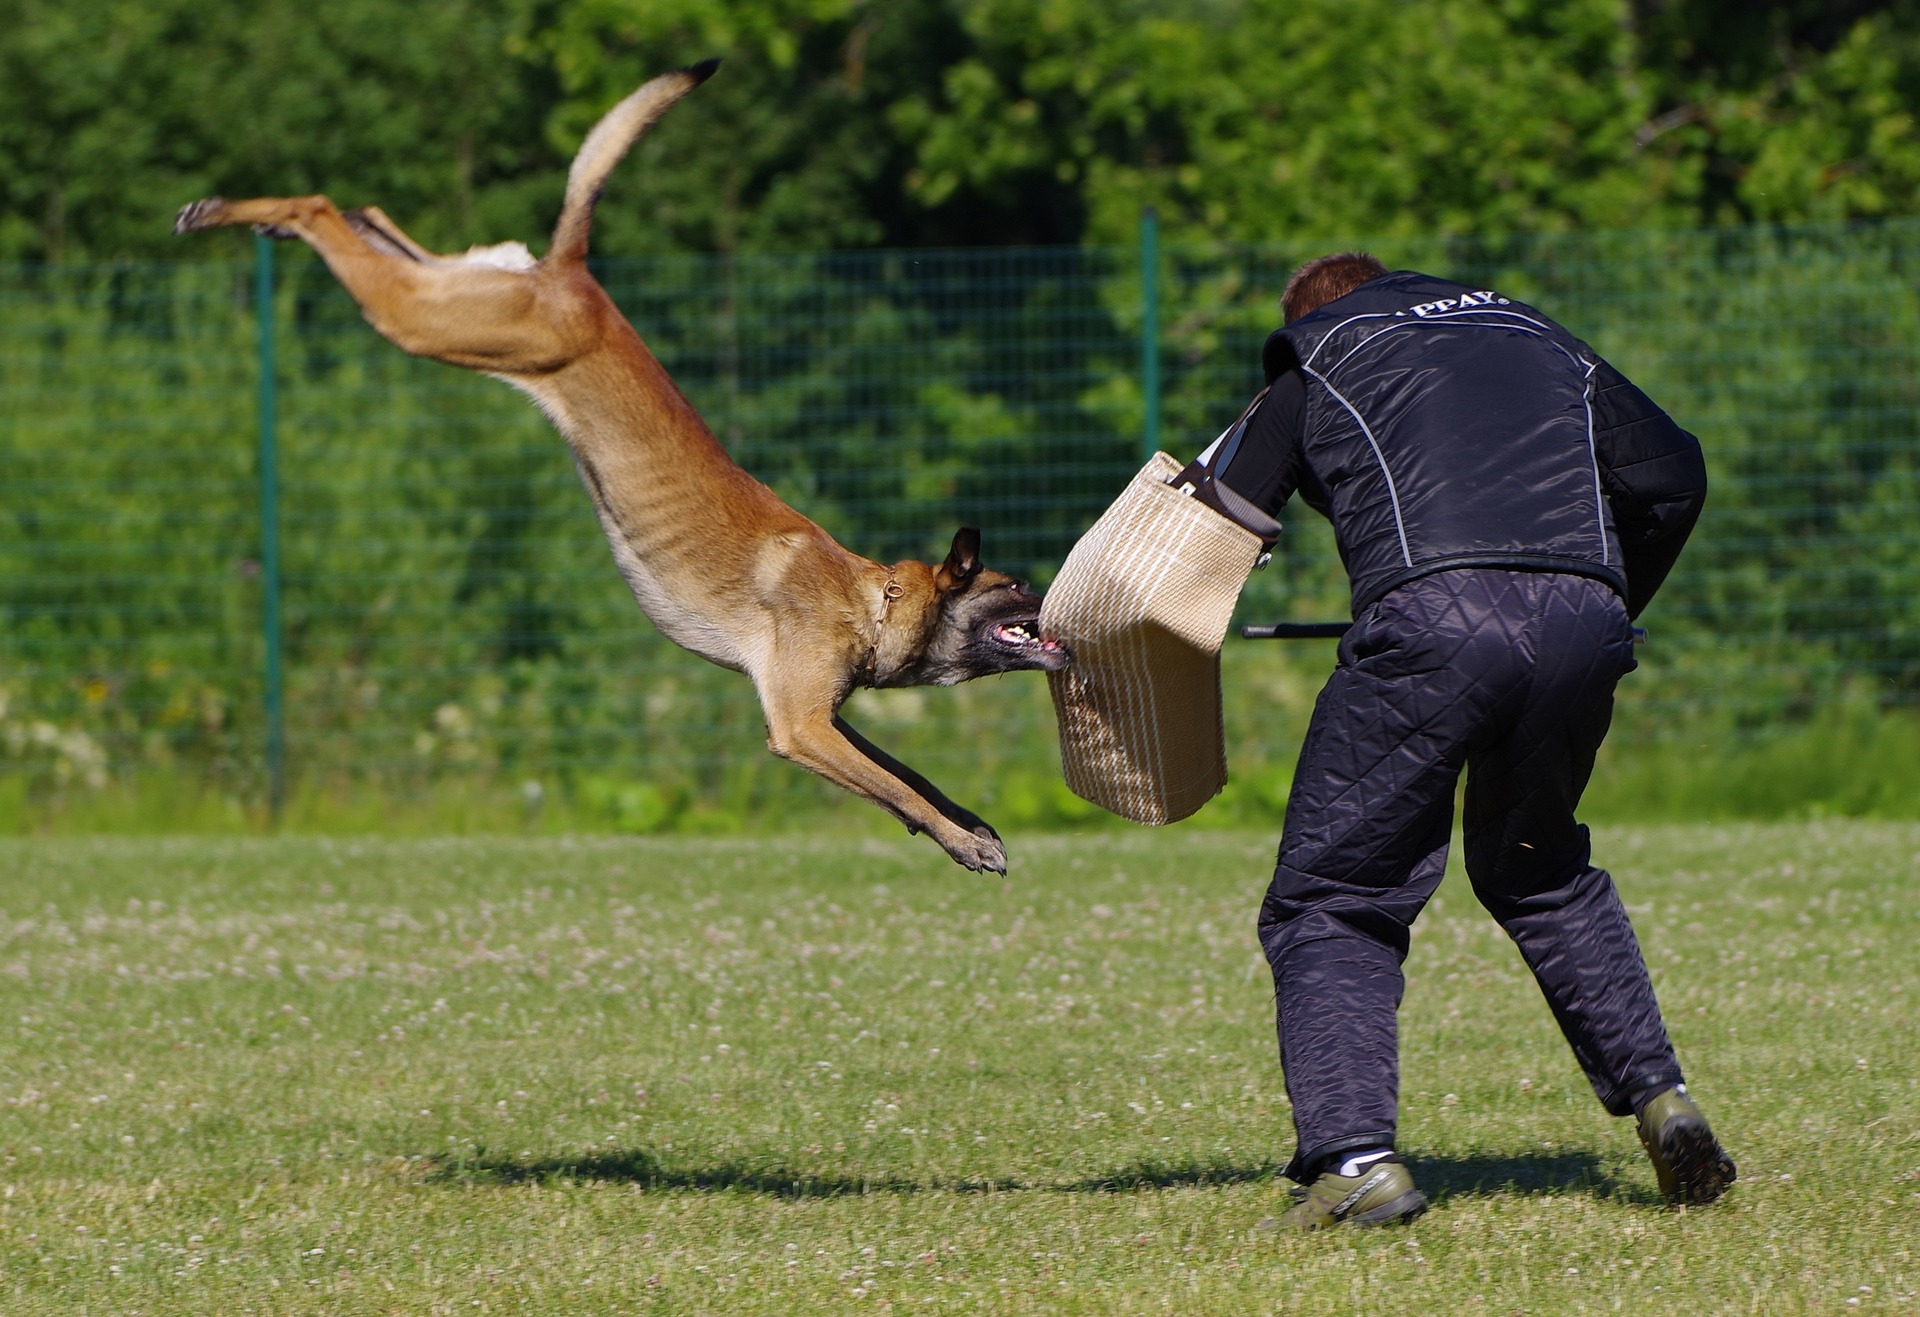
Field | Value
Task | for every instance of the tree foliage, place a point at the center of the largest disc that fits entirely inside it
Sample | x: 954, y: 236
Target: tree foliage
x: 855, y: 123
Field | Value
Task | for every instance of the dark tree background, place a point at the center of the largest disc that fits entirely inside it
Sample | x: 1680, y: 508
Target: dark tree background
x: 913, y: 123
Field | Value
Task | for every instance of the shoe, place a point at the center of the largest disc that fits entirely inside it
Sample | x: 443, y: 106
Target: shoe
x: 1692, y: 1167
x: 1382, y: 1194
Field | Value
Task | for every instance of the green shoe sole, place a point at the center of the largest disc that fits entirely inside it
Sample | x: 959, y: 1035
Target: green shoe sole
x: 1402, y: 1209
x: 1691, y: 1166
x: 1701, y: 1169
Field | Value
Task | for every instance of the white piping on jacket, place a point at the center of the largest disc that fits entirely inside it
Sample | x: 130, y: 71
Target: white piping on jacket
x: 1466, y: 314
x: 1393, y: 494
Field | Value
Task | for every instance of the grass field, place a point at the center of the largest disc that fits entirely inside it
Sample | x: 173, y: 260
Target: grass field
x: 836, y: 1073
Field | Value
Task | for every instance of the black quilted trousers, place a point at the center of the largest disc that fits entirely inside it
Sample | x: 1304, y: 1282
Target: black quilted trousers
x: 1508, y: 675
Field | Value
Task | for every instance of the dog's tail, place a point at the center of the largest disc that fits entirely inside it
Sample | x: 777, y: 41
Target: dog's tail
x: 618, y: 129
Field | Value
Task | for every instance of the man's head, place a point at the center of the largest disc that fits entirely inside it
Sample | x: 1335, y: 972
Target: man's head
x: 1324, y: 278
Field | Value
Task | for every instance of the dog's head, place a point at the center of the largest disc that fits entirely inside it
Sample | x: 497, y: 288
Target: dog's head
x: 983, y: 622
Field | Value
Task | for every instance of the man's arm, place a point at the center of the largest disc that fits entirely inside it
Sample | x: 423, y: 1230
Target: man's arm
x: 1270, y: 463
x: 1655, y: 478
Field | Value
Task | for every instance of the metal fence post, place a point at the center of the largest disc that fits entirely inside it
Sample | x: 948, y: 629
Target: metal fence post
x: 1150, y: 331
x: 263, y: 283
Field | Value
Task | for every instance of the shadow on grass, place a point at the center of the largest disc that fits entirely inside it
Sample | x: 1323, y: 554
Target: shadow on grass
x: 1533, y: 1174
x: 1441, y: 1178
x: 637, y: 1166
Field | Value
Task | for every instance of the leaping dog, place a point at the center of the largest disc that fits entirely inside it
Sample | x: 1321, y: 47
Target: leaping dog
x: 719, y: 563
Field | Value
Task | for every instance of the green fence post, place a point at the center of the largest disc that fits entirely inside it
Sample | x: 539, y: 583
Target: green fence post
x: 1150, y: 331
x: 270, y: 526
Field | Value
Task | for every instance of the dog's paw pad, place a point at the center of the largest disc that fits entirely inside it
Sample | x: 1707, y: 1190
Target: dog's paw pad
x: 972, y: 851
x: 200, y: 214
x: 990, y: 857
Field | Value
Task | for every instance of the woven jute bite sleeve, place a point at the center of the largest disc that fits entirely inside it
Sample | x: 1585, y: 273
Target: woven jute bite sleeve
x: 1143, y: 602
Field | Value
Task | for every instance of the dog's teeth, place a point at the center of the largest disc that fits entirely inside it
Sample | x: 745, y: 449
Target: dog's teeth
x: 1016, y: 633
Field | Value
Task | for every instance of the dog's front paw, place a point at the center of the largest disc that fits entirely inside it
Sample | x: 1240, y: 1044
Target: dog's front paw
x: 979, y: 853
x: 207, y: 213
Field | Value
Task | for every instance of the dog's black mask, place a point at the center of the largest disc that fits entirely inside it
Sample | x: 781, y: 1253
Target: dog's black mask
x: 989, y: 622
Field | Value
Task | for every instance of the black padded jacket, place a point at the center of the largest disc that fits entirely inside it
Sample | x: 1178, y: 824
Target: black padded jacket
x: 1448, y: 426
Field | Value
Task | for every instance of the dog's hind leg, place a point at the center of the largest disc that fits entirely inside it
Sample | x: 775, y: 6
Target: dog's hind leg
x: 382, y: 234
x: 480, y: 316
x: 306, y: 218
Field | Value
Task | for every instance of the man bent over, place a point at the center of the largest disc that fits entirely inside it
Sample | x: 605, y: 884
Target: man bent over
x: 1505, y: 503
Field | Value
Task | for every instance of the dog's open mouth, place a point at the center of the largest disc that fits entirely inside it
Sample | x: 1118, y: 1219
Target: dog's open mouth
x: 1023, y: 637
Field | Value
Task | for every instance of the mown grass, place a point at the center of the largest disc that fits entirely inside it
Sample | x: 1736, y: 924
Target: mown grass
x: 810, y: 1074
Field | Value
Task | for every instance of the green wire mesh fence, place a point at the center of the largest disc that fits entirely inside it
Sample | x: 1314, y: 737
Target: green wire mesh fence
x: 447, y: 608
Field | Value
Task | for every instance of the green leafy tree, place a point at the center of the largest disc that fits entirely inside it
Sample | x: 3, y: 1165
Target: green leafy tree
x: 855, y: 123
x: 1325, y: 120
x: 114, y: 114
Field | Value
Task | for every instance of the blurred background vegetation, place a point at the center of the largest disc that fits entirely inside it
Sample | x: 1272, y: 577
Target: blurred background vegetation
x: 892, y: 253
x: 911, y: 123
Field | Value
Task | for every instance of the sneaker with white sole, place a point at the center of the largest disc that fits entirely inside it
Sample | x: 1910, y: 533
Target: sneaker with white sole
x: 1381, y: 1194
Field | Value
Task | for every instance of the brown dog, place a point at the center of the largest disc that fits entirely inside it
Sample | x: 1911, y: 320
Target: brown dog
x: 720, y: 564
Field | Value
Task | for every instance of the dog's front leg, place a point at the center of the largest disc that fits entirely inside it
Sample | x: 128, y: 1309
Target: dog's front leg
x: 926, y: 790
x: 805, y: 731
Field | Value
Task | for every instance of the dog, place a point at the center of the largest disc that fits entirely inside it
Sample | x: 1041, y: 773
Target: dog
x: 720, y: 564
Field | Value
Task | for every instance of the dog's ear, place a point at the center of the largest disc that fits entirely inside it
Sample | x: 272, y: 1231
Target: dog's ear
x: 963, y: 561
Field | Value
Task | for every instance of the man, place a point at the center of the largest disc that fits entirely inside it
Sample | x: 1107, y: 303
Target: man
x: 1504, y: 502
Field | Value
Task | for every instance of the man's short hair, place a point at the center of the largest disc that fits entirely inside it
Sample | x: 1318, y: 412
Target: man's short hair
x: 1324, y: 278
